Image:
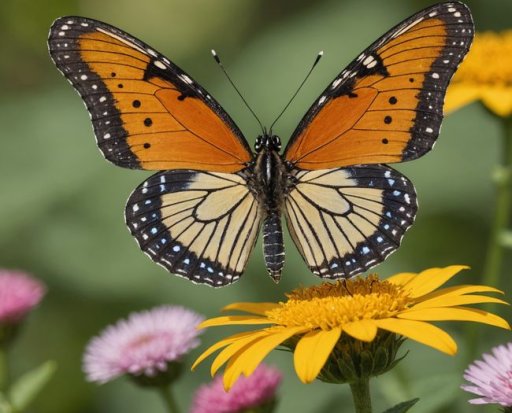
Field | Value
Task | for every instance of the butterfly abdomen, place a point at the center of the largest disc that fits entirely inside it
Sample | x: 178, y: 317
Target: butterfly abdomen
x: 270, y: 182
x: 273, y: 246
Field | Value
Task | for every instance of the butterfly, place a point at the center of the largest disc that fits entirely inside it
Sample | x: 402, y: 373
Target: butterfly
x: 200, y: 215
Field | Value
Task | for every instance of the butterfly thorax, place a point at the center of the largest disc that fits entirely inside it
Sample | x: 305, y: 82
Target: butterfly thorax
x: 270, y: 178
x: 269, y: 173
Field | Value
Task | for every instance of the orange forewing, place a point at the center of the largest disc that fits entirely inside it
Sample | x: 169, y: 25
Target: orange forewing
x: 377, y: 118
x: 164, y: 132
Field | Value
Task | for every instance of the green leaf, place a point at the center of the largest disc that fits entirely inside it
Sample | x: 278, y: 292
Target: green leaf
x: 402, y: 407
x: 30, y: 384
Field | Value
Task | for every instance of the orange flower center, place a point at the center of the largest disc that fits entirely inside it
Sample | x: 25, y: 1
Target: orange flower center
x: 331, y: 305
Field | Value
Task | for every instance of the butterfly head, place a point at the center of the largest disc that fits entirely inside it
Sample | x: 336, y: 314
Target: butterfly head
x: 268, y: 142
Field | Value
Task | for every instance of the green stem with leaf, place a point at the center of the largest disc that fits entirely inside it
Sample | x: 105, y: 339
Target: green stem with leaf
x: 500, y: 237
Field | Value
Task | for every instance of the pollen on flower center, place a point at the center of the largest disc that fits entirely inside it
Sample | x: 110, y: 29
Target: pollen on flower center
x: 332, y: 305
x: 489, y: 60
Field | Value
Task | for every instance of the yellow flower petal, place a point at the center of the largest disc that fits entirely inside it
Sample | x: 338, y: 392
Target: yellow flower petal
x: 312, y: 352
x: 246, y: 361
x: 318, y: 315
x: 451, y: 301
x: 364, y: 330
x: 219, y: 345
x: 428, y: 280
x: 499, y: 100
x: 233, y: 348
x: 231, y: 374
x: 421, y: 332
x: 401, y: 278
x: 253, y: 308
x: 232, y: 320
x: 455, y: 313
x: 461, y: 94
x: 458, y: 290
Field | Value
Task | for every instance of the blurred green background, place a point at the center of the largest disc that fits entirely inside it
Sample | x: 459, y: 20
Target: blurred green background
x: 62, y: 205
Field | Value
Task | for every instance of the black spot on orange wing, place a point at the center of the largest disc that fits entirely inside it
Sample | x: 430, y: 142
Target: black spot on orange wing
x: 136, y: 97
x: 387, y: 105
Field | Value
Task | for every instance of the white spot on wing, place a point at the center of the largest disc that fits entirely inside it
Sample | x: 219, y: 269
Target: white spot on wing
x: 159, y: 64
x: 336, y: 83
x: 368, y: 60
x: 186, y: 79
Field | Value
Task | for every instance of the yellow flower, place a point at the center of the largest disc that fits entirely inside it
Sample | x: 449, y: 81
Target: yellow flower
x: 316, y: 321
x: 486, y: 75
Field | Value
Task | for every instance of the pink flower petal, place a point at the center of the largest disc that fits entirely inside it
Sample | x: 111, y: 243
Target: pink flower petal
x: 491, y: 377
x: 253, y: 391
x: 142, y: 344
x: 19, y: 293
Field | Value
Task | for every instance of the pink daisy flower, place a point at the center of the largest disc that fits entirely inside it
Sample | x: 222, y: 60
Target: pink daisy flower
x: 19, y: 293
x: 248, y: 392
x: 143, y: 344
x: 491, y: 378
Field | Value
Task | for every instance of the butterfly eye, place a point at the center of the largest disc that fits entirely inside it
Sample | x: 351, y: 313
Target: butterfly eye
x: 257, y: 145
x: 276, y: 142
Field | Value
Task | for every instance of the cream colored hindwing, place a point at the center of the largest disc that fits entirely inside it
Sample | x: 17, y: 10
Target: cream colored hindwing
x: 199, y: 225
x: 346, y: 220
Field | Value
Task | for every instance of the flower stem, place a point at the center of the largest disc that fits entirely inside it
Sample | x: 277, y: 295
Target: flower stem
x: 4, y: 370
x: 361, y: 395
x: 170, y: 403
x: 503, y: 179
x: 497, y: 240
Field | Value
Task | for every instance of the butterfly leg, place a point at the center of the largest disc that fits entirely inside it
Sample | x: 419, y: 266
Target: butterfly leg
x: 273, y: 245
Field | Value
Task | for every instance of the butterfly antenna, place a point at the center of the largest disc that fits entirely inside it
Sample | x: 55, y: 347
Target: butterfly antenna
x: 317, y: 59
x: 217, y: 59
